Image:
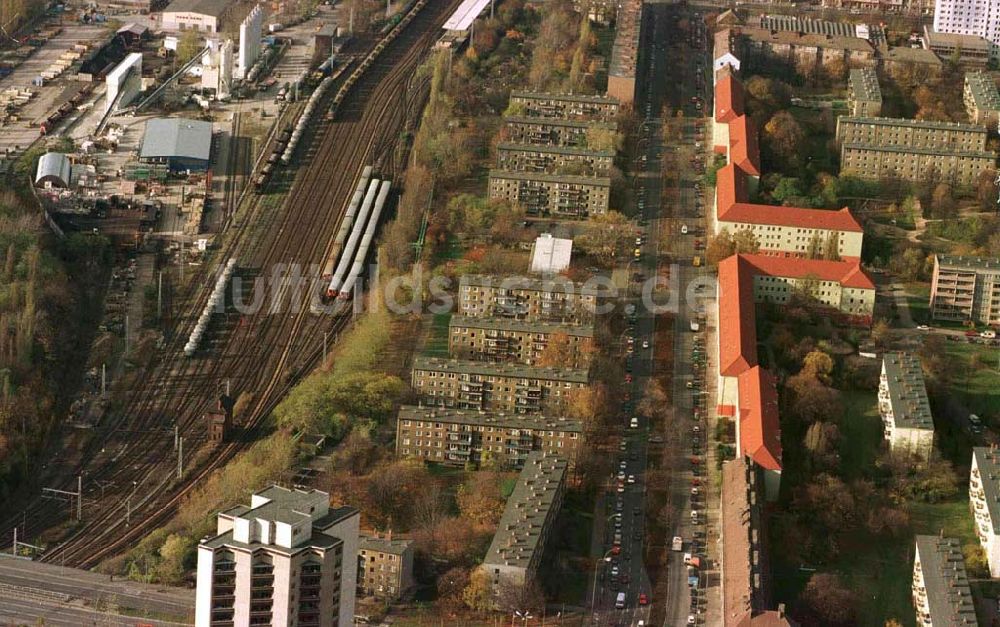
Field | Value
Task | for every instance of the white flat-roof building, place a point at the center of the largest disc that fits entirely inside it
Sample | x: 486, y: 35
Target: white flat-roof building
x: 903, y: 404
x: 984, y: 499
x: 287, y: 559
x: 124, y: 82
x: 551, y: 255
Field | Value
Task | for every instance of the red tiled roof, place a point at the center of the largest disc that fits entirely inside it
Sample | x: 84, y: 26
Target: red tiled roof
x: 730, y: 188
x: 737, y: 326
x: 840, y: 220
x: 743, y: 149
x: 848, y: 273
x: 728, y: 99
x: 760, y: 428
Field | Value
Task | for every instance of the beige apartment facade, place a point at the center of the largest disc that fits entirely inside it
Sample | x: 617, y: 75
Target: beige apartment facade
x: 966, y: 289
x: 901, y: 132
x: 797, y: 239
x: 565, y: 106
x: 288, y: 559
x: 553, y: 159
x: 551, y: 194
x: 495, y: 387
x: 550, y: 132
x: 864, y: 96
x: 854, y: 301
x: 385, y: 567
x: 461, y: 437
x: 531, y: 299
x: 503, y: 339
x: 869, y: 161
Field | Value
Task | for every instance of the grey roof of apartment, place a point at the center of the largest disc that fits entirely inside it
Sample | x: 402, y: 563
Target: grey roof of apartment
x: 541, y: 95
x: 938, y: 151
x: 983, y: 90
x: 864, y: 85
x: 214, y: 8
x: 809, y: 26
x: 969, y: 263
x: 522, y: 326
x: 555, y: 284
x: 177, y: 137
x: 559, y: 150
x: 908, y: 122
x: 535, y: 422
x: 384, y: 545
x: 490, y: 369
x: 527, y: 119
x: 592, y: 181
x: 907, y: 392
x: 987, y: 460
x: 527, y: 509
x: 946, y: 584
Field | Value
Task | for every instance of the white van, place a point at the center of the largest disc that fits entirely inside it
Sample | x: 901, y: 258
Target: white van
x: 620, y: 601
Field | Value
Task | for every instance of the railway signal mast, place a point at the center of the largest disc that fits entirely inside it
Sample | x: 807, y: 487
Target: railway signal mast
x: 56, y: 494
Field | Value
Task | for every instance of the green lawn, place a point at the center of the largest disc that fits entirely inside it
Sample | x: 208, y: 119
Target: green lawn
x: 879, y: 568
x: 860, y: 434
x: 436, y: 344
x: 918, y: 301
x: 977, y: 387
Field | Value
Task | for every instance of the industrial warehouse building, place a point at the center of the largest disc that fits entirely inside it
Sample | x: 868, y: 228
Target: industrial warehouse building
x: 201, y: 15
x: 179, y: 143
x: 53, y: 170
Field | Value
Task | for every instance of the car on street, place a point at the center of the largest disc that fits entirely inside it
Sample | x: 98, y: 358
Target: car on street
x: 631, y: 479
x: 645, y: 344
x: 634, y: 423
x: 643, y: 599
x: 923, y: 327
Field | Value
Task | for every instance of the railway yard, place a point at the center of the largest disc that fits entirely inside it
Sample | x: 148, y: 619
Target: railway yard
x: 130, y: 467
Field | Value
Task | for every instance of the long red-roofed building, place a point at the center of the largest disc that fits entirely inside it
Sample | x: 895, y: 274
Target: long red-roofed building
x: 789, y: 231
x: 745, y: 280
x: 743, y: 149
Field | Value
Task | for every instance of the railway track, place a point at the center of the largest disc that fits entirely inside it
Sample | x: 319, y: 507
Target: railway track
x: 263, y: 354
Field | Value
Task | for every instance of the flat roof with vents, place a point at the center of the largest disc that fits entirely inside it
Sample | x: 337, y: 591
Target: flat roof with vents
x: 528, y: 511
x: 949, y: 598
x: 969, y: 263
x: 904, y: 380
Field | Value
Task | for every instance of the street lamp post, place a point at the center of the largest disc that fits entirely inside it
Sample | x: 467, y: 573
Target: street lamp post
x: 597, y: 566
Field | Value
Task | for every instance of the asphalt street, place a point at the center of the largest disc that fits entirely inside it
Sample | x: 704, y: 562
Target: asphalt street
x: 623, y: 592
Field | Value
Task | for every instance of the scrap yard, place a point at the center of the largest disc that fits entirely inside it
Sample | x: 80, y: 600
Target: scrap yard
x: 154, y: 445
